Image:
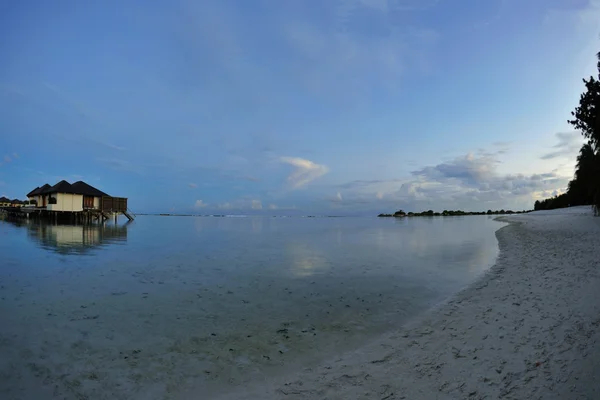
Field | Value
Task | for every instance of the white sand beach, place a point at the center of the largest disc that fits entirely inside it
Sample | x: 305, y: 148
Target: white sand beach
x: 528, y: 329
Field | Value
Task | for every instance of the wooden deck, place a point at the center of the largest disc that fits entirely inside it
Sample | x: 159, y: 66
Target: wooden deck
x: 113, y: 204
x: 111, y: 207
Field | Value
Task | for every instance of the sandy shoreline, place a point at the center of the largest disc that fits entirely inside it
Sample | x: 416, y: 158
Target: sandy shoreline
x: 529, y: 329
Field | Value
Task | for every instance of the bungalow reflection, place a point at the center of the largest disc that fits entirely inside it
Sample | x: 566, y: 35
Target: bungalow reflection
x: 75, y: 239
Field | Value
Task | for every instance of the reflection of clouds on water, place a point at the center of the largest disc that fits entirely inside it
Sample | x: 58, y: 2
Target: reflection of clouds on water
x: 461, y: 246
x: 450, y: 248
x: 257, y: 224
x: 446, y: 247
x: 239, y: 224
x: 199, y: 223
x: 74, y: 239
x: 303, y: 260
x: 253, y: 225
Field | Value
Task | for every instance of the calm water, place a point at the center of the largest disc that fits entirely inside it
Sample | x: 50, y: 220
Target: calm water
x: 153, y: 308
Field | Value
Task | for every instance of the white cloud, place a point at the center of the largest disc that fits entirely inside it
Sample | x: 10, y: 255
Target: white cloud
x: 469, y: 169
x: 305, y: 171
x: 256, y: 205
x: 336, y: 198
x: 114, y: 146
x: 192, y: 185
x: 379, y: 195
x: 474, y: 181
x: 273, y: 207
x: 200, y: 204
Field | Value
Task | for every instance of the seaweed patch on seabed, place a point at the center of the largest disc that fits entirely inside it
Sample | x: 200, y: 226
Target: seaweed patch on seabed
x: 96, y: 362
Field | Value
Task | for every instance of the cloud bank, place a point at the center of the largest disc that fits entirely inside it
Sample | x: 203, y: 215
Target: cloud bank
x: 200, y: 204
x: 471, y: 182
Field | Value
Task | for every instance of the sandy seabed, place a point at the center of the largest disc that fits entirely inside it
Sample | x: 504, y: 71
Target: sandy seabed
x: 528, y: 329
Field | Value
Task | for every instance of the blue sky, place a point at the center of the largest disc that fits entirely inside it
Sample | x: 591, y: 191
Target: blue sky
x: 300, y: 106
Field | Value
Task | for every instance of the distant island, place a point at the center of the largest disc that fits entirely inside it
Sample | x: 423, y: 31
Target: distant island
x: 449, y: 213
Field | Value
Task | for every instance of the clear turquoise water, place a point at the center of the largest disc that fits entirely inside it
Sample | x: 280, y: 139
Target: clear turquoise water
x: 212, y: 302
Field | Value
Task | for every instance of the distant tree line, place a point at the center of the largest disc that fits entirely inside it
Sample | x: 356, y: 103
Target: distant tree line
x: 584, y: 189
x: 446, y: 213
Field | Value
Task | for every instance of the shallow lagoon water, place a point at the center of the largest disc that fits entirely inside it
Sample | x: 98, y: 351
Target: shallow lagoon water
x: 166, y: 305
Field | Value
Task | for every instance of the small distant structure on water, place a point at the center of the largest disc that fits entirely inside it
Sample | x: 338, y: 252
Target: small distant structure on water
x: 6, y: 202
x: 79, y: 202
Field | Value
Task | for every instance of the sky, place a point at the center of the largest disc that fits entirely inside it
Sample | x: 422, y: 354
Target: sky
x: 327, y: 107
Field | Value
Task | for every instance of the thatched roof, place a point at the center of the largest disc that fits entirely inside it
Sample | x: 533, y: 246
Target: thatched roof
x: 39, y: 190
x: 83, y: 188
x: 63, y: 186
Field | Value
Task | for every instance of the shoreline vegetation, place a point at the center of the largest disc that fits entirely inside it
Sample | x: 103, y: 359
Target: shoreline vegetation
x: 450, y: 213
x: 584, y: 188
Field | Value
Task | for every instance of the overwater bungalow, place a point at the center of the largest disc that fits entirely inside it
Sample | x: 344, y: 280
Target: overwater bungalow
x: 6, y: 202
x: 18, y: 203
x: 78, y: 201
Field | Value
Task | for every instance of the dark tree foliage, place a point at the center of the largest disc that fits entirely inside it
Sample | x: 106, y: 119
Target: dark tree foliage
x: 587, y: 114
x: 585, y: 187
x: 552, y: 203
x: 446, y: 213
